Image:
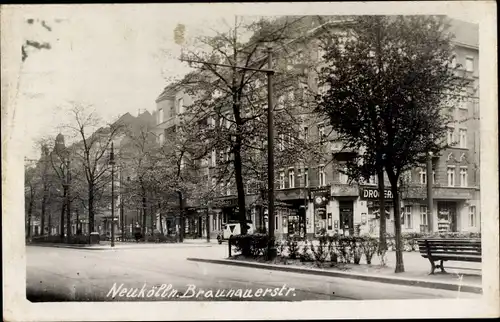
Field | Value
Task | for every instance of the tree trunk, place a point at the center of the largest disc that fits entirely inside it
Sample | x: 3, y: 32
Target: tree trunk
x: 383, y: 230
x: 68, y: 214
x: 397, y: 229
x: 162, y: 232
x: 181, y: 216
x: 91, y: 209
x: 144, y: 222
x: 44, y: 206
x: 30, y: 212
x: 208, y: 225
x: 239, y: 185
x: 49, y: 224
x: 63, y: 211
x: 77, y: 222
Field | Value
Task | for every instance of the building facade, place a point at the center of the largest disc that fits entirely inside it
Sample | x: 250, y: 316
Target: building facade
x: 316, y: 198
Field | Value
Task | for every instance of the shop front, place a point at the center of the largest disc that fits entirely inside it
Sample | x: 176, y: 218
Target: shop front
x: 370, y: 211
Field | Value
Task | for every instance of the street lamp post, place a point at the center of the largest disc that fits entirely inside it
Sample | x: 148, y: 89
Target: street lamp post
x: 68, y: 199
x: 270, y: 157
x: 430, y: 182
x: 112, y: 163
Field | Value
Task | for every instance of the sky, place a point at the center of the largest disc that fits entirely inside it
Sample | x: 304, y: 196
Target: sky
x: 113, y: 58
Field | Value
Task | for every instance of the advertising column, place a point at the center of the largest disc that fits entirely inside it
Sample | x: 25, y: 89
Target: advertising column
x: 320, y: 198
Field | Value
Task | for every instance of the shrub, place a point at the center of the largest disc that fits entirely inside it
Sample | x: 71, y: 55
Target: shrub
x: 281, y: 247
x: 369, y: 246
x: 356, y: 249
x: 250, y: 245
x: 332, y: 248
x: 305, y: 256
x: 293, y: 247
x: 320, y: 252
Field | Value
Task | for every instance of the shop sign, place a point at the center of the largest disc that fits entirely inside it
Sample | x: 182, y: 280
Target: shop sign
x: 372, y: 193
x: 222, y: 203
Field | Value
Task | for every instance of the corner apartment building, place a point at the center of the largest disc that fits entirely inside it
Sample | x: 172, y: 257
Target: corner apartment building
x: 317, y: 196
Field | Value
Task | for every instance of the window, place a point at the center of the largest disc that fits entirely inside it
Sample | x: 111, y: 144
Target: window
x: 160, y: 116
x: 408, y: 217
x: 291, y: 97
x: 433, y: 177
x: 423, y: 216
x: 469, y: 64
x: 322, y: 176
x: 321, y: 53
x: 281, y: 143
x: 423, y: 176
x: 282, y: 180
x: 276, y: 222
x: 214, y: 158
x: 306, y: 177
x: 373, y: 180
x: 450, y: 135
x: 211, y: 122
x: 221, y: 188
x: 281, y: 101
x: 321, y: 132
x: 299, y: 176
x: 291, y: 179
x: 343, y: 178
x: 463, y: 138
x: 162, y: 138
x: 406, y: 177
x: 454, y: 62
x: 451, y: 176
x: 228, y: 189
x: 306, y: 133
x: 464, y: 99
x: 180, y: 105
x: 472, y: 216
x: 463, y: 177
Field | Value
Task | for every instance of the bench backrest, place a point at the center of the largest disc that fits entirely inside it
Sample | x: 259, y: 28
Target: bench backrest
x: 462, y: 247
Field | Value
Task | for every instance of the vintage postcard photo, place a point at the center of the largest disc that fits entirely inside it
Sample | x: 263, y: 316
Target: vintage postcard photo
x: 249, y: 161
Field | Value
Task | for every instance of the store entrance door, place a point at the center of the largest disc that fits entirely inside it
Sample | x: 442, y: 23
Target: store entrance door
x: 346, y: 210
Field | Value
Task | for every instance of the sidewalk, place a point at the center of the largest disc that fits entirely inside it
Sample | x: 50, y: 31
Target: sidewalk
x: 106, y: 245
x: 465, y: 277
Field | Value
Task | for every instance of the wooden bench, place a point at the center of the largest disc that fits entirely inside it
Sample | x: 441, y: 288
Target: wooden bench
x: 440, y: 249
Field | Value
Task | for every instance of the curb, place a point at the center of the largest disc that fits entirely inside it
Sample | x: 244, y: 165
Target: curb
x: 369, y: 278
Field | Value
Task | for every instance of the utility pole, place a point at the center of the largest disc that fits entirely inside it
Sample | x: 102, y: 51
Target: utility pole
x: 270, y: 157
x: 112, y: 163
x: 430, y: 182
x: 122, y: 215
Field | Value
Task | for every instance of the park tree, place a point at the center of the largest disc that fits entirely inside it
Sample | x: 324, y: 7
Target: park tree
x: 228, y: 112
x: 91, y: 151
x: 390, y: 90
x: 31, y: 191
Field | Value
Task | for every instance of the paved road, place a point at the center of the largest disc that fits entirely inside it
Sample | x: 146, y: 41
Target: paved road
x: 163, y: 273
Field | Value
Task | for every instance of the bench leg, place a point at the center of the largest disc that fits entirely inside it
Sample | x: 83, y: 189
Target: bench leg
x: 441, y: 267
x: 433, y: 266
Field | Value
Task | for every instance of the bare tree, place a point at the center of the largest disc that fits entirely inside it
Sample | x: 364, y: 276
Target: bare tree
x: 91, y: 152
